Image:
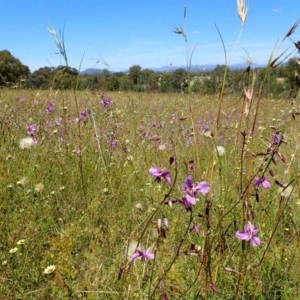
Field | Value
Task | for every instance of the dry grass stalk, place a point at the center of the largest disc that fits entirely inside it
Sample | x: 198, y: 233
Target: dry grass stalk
x: 242, y: 10
x: 292, y: 30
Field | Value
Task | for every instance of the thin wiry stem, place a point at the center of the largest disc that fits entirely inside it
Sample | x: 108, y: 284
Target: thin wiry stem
x: 224, y: 79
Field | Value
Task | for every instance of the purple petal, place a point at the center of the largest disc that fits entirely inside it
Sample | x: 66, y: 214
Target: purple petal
x: 255, y: 241
x: 136, y: 255
x: 203, y: 187
x: 262, y: 182
x: 190, y: 199
x: 154, y: 171
x: 195, y: 228
x: 188, y: 183
x: 255, y: 231
x: 187, y: 205
x: 266, y: 184
x: 242, y: 235
x: 148, y: 255
x: 167, y: 177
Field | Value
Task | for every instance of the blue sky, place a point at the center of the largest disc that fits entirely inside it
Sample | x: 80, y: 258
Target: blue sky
x: 122, y: 33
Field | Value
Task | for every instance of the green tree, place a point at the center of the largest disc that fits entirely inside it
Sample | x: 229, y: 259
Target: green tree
x: 125, y: 83
x: 113, y: 82
x: 134, y: 72
x: 164, y: 82
x: 11, y: 69
x: 59, y: 78
x: 146, y: 81
x: 179, y: 80
x: 292, y: 73
x: 40, y: 78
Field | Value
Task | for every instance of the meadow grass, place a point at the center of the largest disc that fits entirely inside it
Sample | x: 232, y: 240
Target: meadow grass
x: 80, y: 200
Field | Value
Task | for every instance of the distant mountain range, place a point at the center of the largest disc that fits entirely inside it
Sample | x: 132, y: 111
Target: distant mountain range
x: 199, y: 68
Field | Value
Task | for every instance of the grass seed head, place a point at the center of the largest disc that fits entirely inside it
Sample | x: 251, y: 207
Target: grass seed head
x: 242, y: 10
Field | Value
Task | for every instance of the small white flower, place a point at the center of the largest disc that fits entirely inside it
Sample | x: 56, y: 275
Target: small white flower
x: 207, y: 133
x: 129, y: 158
x: 138, y: 205
x: 50, y: 269
x: 21, y: 242
x: 221, y: 150
x: 13, y: 250
x: 26, y: 142
x: 105, y: 191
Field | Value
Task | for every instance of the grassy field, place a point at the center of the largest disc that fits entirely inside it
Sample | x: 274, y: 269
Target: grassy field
x: 77, y: 199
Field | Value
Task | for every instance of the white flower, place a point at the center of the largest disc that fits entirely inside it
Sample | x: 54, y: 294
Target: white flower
x: 13, y: 250
x: 26, y: 142
x: 221, y: 150
x: 21, y: 242
x: 138, y: 206
x: 50, y: 269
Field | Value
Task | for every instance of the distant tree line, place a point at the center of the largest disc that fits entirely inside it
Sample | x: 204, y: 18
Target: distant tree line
x: 282, y: 81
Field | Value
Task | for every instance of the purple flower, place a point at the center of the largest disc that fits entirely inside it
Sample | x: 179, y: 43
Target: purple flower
x: 203, y: 187
x: 83, y: 116
x: 113, y: 143
x: 195, y: 228
x: 22, y: 99
x: 249, y: 234
x: 205, y: 128
x: 276, y: 139
x: 106, y: 102
x: 262, y: 182
x: 50, y: 107
x: 191, y: 189
x: 142, y: 254
x: 31, y: 129
x: 159, y: 174
x: 187, y: 204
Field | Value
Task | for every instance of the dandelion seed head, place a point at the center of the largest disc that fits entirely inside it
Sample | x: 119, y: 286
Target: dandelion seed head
x: 221, y: 150
x: 39, y: 187
x: 26, y: 142
x: 23, y: 181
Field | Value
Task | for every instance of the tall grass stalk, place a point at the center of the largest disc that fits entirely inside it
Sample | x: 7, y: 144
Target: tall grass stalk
x: 189, y: 57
